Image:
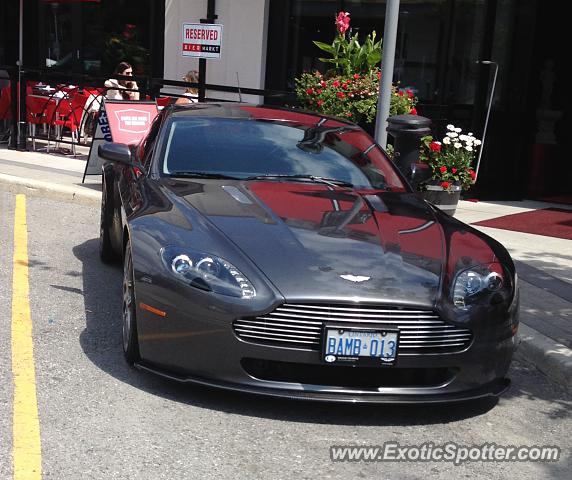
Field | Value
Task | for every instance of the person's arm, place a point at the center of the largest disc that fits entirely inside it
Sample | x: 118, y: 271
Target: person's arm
x: 134, y: 95
x: 182, y: 101
x: 113, y: 87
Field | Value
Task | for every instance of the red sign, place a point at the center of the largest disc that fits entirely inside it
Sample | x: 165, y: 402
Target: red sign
x: 128, y: 121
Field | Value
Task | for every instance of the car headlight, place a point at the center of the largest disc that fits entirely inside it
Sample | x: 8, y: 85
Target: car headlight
x: 482, y: 283
x: 207, y: 272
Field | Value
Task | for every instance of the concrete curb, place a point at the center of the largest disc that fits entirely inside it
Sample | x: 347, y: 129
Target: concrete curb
x: 550, y: 357
x: 66, y: 193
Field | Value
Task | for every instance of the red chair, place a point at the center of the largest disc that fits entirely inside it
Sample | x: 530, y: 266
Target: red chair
x: 79, y: 110
x: 5, y: 101
x: 5, y: 113
x: 70, y: 114
x: 65, y: 119
x: 39, y: 111
x: 5, y: 104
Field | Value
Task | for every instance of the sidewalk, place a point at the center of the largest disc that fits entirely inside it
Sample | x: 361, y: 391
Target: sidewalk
x: 52, y: 175
x: 544, y: 264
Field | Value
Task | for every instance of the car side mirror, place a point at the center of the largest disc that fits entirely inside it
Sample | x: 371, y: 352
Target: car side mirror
x: 420, y: 173
x: 116, y: 152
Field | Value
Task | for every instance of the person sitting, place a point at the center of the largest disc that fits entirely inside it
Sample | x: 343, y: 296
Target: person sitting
x: 191, y: 94
x: 122, y: 89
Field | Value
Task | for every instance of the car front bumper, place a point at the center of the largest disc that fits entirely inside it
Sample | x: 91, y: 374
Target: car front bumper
x: 198, y: 345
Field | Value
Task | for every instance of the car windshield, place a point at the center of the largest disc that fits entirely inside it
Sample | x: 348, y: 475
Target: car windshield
x: 277, y: 151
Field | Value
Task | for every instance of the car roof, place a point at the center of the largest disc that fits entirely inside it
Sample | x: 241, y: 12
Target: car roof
x: 249, y: 111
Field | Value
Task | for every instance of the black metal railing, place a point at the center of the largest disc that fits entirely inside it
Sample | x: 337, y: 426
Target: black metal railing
x: 76, y: 128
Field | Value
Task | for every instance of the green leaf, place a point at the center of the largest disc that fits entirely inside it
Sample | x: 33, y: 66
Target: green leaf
x: 374, y: 58
x: 329, y: 60
x: 325, y: 47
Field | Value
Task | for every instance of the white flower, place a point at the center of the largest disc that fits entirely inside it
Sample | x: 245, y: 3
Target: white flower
x: 458, y: 130
x: 447, y: 141
x: 450, y: 127
x: 470, y: 134
x: 468, y: 148
x: 452, y: 134
x: 477, y: 142
x: 457, y: 145
x: 463, y: 137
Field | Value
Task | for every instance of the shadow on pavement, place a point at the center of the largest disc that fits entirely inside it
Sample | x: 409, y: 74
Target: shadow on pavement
x: 101, y: 342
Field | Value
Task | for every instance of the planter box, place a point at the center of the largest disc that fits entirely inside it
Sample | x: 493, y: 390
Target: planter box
x: 442, y: 199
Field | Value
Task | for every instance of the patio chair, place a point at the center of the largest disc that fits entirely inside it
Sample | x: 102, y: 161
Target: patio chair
x: 70, y: 114
x: 5, y: 112
x: 39, y: 111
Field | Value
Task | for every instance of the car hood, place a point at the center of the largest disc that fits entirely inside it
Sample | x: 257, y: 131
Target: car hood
x: 319, y: 242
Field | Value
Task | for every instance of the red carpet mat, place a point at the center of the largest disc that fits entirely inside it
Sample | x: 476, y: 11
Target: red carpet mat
x: 550, y: 222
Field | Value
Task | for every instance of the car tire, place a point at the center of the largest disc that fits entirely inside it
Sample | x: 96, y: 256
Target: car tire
x: 129, y: 319
x: 106, y: 252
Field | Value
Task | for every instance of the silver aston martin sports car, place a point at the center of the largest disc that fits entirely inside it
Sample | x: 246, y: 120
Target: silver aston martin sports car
x: 281, y: 253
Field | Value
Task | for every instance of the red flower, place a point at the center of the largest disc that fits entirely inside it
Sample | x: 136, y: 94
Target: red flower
x: 310, y: 91
x: 409, y: 93
x: 336, y: 83
x: 400, y: 93
x: 319, y: 91
x: 443, y: 169
x: 343, y: 22
x: 472, y: 174
x: 445, y: 185
x: 454, y: 170
x: 356, y: 75
x: 341, y: 94
x: 349, y: 114
x: 379, y: 75
x: 320, y: 103
x: 436, y: 147
x: 413, y: 111
x: 323, y: 84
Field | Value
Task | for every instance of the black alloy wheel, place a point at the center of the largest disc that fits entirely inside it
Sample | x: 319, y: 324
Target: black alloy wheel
x: 129, y: 320
x: 106, y: 252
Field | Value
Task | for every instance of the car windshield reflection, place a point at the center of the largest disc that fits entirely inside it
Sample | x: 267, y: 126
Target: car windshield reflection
x: 271, y: 150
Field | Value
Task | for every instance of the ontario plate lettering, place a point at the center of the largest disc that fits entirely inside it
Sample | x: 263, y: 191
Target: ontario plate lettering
x: 364, y: 345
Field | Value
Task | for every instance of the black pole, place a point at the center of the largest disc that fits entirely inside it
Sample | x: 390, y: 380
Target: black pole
x: 22, y: 124
x: 13, y: 108
x: 211, y: 17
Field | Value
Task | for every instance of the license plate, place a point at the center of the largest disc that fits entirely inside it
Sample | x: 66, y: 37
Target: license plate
x: 352, y: 345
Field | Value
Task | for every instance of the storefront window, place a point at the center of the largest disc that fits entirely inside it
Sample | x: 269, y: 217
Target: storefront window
x: 93, y: 36
x: 437, y: 46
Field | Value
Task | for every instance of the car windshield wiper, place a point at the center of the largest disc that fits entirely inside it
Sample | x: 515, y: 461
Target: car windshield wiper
x: 332, y: 182
x: 185, y: 174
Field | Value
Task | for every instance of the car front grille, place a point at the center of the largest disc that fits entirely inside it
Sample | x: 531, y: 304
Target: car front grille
x: 300, y: 326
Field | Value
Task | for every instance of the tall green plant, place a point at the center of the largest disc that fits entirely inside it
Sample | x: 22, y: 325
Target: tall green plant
x: 347, y: 55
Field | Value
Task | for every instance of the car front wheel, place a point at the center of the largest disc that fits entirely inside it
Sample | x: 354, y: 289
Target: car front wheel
x: 129, y: 321
x: 106, y: 252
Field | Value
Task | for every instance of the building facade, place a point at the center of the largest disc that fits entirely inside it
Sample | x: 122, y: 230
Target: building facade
x: 267, y: 43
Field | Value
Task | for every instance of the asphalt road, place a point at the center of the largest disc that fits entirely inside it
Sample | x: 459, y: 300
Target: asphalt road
x: 100, y: 419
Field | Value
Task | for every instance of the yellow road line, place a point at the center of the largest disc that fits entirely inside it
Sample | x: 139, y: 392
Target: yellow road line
x: 27, y: 451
